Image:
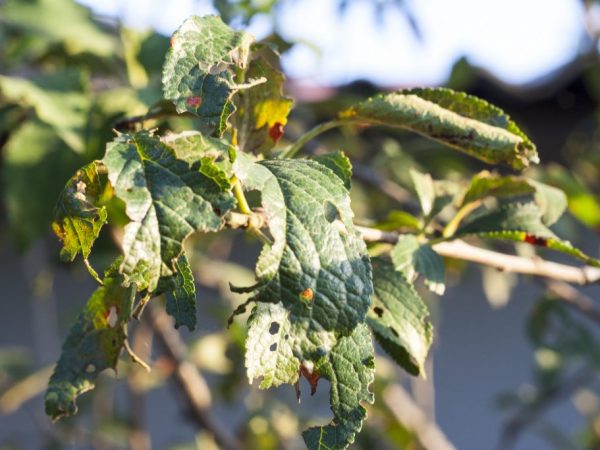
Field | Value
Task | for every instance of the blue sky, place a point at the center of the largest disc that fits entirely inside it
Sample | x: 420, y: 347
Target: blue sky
x: 517, y: 40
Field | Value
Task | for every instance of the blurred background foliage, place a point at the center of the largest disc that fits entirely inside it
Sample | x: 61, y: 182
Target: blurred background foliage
x: 68, y: 78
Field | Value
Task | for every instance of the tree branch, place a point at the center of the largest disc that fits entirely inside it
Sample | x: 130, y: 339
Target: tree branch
x: 459, y: 249
x: 189, y: 379
x: 408, y: 413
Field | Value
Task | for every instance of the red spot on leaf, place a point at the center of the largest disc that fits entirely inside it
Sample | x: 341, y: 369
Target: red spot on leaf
x: 307, y: 294
x: 194, y: 102
x: 535, y: 240
x: 276, y: 131
x: 311, y: 377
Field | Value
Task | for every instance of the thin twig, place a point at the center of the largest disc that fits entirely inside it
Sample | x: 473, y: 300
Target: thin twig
x: 459, y: 249
x: 576, y: 299
x: 189, y: 379
x: 410, y: 415
x: 527, y: 415
x: 392, y: 190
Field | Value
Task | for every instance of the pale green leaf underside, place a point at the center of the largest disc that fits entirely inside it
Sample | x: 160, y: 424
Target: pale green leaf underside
x: 198, y: 75
x: 181, y: 301
x: 551, y: 201
x: 94, y: 344
x: 411, y: 257
x: 456, y: 119
x: 520, y: 222
x: 166, y: 200
x: 398, y: 318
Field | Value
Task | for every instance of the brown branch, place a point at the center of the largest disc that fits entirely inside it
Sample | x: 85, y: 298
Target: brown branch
x: 410, y: 415
x: 459, y: 249
x: 189, y: 379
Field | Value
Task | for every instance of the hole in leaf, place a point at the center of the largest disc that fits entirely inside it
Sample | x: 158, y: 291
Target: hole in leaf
x: 331, y: 212
x: 273, y: 347
x: 394, y: 331
x: 274, y: 328
x: 287, y: 336
x: 377, y: 310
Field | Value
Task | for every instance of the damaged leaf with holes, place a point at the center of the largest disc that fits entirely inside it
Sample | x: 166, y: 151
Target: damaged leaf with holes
x: 93, y: 345
x: 350, y: 369
x: 77, y: 217
x: 456, y: 119
x: 199, y: 75
x: 262, y: 110
x: 399, y: 318
x: 317, y: 263
x: 166, y: 200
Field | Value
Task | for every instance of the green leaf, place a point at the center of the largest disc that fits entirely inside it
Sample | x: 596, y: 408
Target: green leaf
x: 425, y: 189
x: 551, y: 201
x: 486, y: 184
x: 262, y: 110
x: 60, y: 21
x: 350, y: 369
x: 192, y: 146
x: 461, y: 121
x: 60, y: 100
x: 520, y: 222
x: 411, y: 257
x: 339, y: 163
x: 34, y: 152
x: 94, y: 344
x: 77, y: 218
x: 398, y: 318
x: 317, y: 265
x: 166, y: 198
x: 181, y: 301
x: 200, y: 68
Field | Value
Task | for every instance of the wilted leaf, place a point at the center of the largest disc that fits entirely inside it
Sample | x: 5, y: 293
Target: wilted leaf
x: 94, y: 344
x: 263, y: 109
x: 77, y: 218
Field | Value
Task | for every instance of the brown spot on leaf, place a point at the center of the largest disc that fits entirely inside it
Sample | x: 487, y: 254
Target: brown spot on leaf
x: 194, y: 102
x: 276, y: 132
x: 378, y: 311
x: 535, y: 240
x: 311, y: 376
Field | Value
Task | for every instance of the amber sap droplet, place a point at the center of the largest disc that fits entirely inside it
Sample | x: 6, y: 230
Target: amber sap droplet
x: 534, y: 240
x: 276, y: 131
x: 307, y: 295
x: 194, y: 102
